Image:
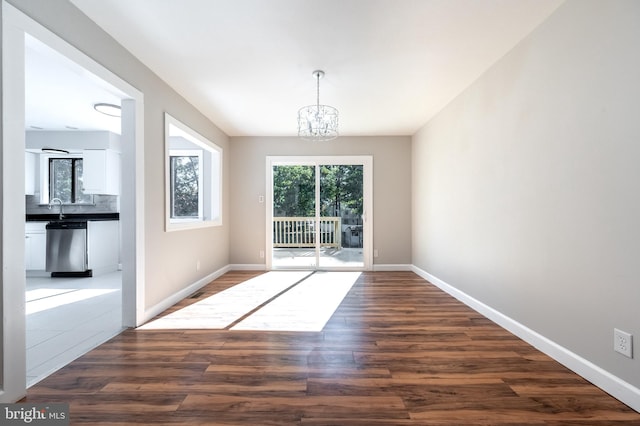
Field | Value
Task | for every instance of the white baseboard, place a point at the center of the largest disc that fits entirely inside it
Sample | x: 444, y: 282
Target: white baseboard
x: 606, y: 381
x: 263, y: 267
x: 248, y: 267
x: 182, y: 294
x: 32, y: 273
x: 105, y: 270
x: 392, y: 267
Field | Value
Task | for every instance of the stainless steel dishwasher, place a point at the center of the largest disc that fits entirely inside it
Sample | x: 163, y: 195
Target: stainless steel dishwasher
x: 67, y: 249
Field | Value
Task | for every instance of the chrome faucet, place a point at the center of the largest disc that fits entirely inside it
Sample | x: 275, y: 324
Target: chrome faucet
x: 59, y: 201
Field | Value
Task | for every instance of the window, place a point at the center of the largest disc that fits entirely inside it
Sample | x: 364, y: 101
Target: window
x: 65, y: 181
x: 193, y: 178
x: 186, y: 184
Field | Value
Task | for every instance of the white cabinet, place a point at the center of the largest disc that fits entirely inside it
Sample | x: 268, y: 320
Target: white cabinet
x: 35, y: 245
x: 101, y: 171
x: 103, y: 245
x: 30, y: 161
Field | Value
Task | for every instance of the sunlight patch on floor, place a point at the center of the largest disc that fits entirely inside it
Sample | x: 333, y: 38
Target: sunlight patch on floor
x: 61, y: 297
x: 43, y: 293
x: 224, y: 308
x: 306, y: 307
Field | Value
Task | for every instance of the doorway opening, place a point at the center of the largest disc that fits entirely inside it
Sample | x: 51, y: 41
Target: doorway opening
x: 17, y: 30
x: 66, y: 317
x: 319, y: 213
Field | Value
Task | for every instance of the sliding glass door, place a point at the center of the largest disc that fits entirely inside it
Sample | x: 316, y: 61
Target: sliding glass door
x: 294, y: 211
x: 318, y: 208
x: 341, y: 210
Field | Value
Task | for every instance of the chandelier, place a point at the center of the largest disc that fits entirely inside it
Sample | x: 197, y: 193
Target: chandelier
x: 318, y: 122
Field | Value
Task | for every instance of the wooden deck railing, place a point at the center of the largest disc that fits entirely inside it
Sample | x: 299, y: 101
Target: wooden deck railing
x: 301, y: 232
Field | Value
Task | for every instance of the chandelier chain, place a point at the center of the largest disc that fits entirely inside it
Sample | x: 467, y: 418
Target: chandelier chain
x: 318, y: 90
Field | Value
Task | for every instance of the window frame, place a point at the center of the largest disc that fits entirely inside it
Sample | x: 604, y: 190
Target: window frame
x: 45, y: 178
x: 210, y: 176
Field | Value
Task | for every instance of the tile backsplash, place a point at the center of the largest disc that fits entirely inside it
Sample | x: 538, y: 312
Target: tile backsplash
x: 101, y: 204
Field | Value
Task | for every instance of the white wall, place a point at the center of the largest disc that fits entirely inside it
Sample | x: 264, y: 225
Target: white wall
x: 525, y: 188
x: 391, y: 191
x: 170, y: 262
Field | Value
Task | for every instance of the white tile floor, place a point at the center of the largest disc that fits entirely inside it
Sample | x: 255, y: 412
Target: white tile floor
x: 67, y: 317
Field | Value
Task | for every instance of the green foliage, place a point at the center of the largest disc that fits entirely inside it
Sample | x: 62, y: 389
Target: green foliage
x: 340, y: 190
x: 60, y: 177
x: 65, y: 180
x: 294, y: 190
x: 184, y: 170
x: 80, y: 196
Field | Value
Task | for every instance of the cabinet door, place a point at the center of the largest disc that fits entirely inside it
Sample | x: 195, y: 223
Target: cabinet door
x: 30, y: 173
x: 38, y: 251
x: 35, y: 246
x: 101, y: 171
x: 103, y: 245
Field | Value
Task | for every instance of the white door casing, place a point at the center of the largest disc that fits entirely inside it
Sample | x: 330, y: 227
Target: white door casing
x: 15, y: 26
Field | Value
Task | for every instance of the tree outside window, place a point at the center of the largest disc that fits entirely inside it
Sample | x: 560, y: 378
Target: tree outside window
x: 65, y: 181
x: 294, y: 191
x: 186, y: 187
x: 340, y: 190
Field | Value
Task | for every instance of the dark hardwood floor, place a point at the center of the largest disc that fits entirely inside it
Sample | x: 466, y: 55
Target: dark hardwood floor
x: 398, y: 351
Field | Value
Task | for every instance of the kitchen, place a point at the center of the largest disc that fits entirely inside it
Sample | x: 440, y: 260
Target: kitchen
x: 72, y: 202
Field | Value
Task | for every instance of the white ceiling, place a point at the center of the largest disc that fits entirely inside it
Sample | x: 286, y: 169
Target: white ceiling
x: 390, y: 65
x: 60, y: 94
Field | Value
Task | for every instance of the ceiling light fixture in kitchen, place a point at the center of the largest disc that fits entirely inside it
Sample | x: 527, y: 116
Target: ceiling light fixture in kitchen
x: 108, y: 109
x: 55, y: 151
x: 318, y: 122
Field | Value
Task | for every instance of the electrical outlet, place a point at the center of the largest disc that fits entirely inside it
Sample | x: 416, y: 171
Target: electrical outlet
x: 261, y: 254
x: 375, y: 252
x: 623, y: 342
x: 197, y: 265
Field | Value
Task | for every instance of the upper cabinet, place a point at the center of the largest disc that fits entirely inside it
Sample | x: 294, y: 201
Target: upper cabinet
x: 30, y: 181
x: 101, y: 171
x: 98, y: 173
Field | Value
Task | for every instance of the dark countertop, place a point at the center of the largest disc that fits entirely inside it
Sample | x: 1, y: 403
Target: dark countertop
x: 72, y: 216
